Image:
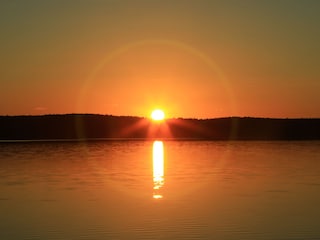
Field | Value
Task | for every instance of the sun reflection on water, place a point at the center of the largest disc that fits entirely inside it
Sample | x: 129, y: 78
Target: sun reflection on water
x: 158, y: 169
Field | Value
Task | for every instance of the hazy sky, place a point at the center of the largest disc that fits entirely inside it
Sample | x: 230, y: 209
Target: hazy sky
x: 192, y: 58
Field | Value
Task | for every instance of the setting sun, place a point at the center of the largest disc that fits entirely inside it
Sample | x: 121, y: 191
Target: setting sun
x: 157, y: 115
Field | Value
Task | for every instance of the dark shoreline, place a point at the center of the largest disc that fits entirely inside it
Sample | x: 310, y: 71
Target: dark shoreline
x: 92, y: 127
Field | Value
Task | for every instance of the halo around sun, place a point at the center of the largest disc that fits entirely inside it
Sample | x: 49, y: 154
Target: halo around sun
x: 157, y: 115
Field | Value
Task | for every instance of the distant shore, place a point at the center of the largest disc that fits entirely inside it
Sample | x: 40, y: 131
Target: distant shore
x: 83, y: 127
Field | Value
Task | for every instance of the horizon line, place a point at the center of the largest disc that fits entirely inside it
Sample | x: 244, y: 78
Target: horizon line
x: 144, y: 117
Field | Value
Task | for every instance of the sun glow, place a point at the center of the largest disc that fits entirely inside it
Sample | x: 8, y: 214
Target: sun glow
x: 157, y: 115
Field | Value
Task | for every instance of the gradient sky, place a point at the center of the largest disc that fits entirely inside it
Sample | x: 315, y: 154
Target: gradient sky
x: 197, y: 58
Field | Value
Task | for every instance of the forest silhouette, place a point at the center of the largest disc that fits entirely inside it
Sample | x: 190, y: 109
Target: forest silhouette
x: 98, y: 127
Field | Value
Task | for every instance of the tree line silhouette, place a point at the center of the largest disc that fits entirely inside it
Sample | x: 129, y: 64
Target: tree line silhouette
x: 93, y: 126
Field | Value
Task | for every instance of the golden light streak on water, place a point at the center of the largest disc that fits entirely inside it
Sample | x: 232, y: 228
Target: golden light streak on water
x: 158, y: 169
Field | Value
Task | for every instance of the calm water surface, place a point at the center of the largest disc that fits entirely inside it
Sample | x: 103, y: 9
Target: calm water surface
x: 160, y: 190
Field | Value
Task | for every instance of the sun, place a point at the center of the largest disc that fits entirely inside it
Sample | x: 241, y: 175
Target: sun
x: 157, y: 115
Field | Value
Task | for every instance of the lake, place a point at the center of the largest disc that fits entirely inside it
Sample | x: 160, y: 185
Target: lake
x: 160, y: 190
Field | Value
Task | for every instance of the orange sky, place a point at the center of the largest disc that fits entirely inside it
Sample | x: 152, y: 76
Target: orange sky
x: 198, y: 59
